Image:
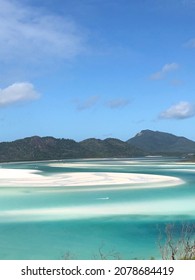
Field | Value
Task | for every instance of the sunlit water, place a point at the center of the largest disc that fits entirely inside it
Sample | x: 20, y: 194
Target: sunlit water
x: 78, y: 222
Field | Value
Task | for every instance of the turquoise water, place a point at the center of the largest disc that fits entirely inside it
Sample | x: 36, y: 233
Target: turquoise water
x: 67, y: 222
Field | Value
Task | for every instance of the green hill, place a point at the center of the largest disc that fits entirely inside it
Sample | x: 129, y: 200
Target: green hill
x: 146, y: 142
x: 156, y: 142
x: 110, y: 147
x: 50, y: 148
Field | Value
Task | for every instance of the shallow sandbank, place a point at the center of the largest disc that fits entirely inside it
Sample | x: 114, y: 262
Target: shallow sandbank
x: 154, y: 208
x: 32, y: 178
x: 92, y: 164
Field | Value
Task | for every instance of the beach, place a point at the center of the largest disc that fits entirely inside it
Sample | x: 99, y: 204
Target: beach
x: 31, y: 178
x: 74, y: 203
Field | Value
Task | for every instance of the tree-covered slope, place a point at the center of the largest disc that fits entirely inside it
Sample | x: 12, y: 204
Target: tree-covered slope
x: 146, y: 142
x: 49, y: 148
x: 161, y: 142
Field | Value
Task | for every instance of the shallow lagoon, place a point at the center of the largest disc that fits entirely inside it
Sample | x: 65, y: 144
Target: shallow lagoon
x: 76, y: 220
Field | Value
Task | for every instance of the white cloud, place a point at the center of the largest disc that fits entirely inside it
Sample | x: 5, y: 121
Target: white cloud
x: 88, y: 103
x: 190, y: 43
x: 17, y: 92
x: 182, y: 110
x: 27, y: 34
x: 176, y: 82
x: 159, y: 75
x: 117, y: 103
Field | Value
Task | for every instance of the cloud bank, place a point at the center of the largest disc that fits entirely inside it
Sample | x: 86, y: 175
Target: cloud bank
x: 117, y: 103
x: 87, y: 104
x: 159, y: 75
x: 190, y: 43
x: 17, y: 92
x: 182, y: 110
x: 29, y: 34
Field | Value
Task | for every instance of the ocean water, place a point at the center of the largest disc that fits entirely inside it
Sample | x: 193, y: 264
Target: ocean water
x: 85, y: 222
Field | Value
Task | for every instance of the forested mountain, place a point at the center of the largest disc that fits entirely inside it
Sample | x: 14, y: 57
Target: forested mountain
x: 110, y: 147
x: 48, y: 148
x: 145, y: 143
x: 161, y: 142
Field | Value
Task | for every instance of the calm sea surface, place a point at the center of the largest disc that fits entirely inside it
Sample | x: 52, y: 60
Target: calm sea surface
x: 62, y: 223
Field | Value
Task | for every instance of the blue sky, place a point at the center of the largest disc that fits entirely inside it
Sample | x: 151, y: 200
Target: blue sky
x: 96, y: 68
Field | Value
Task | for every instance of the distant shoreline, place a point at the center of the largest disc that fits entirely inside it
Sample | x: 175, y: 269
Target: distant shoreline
x: 90, y: 159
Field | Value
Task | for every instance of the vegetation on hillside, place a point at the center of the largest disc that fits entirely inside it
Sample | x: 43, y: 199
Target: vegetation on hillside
x: 146, y: 142
x: 50, y: 148
x: 162, y: 143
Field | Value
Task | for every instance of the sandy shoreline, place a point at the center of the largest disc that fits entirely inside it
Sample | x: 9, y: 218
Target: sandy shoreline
x: 91, y: 164
x: 32, y: 178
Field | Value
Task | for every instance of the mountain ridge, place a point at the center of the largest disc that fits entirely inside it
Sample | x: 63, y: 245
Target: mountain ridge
x: 146, y: 142
x: 162, y: 142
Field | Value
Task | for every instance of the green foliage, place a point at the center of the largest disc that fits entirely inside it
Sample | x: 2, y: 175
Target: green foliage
x: 146, y: 142
x: 50, y: 148
x: 156, y: 142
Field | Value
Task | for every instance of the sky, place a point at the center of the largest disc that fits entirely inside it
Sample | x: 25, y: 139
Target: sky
x: 96, y: 68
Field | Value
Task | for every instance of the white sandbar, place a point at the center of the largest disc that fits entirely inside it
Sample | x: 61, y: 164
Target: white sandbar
x: 91, y: 164
x: 32, y: 178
